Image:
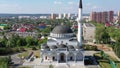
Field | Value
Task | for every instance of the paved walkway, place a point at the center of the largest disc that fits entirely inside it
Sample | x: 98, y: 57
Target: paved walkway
x: 92, y: 66
x: 90, y: 53
x: 112, y: 54
x: 61, y: 65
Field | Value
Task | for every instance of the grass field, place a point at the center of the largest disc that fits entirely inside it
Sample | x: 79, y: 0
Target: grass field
x: 23, y: 55
x: 104, y: 63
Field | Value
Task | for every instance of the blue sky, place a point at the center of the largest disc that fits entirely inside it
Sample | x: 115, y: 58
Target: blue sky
x: 56, y: 6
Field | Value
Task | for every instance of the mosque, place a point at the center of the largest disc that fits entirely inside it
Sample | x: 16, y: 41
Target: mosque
x: 63, y: 46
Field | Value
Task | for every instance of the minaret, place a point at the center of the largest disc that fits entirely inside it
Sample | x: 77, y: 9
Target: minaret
x: 80, y: 24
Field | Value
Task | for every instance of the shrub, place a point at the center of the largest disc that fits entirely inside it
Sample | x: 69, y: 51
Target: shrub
x: 22, y: 49
x: 89, y: 47
x: 34, y: 48
x: 50, y: 66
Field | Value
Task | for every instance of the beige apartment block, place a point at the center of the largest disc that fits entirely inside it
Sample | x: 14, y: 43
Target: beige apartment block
x: 88, y: 32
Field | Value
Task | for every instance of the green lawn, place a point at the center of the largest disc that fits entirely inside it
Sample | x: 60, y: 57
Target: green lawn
x: 37, y: 53
x: 24, y: 67
x: 104, y: 63
x: 25, y: 54
x: 118, y: 65
x: 107, y: 65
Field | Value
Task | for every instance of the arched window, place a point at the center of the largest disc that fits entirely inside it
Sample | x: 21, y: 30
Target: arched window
x: 53, y: 58
x: 45, y: 57
x: 79, y: 56
x: 71, y: 58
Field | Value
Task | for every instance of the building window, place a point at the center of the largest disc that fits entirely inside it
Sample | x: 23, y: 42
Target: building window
x: 53, y: 58
x: 91, y: 37
x: 71, y: 58
x: 46, y: 58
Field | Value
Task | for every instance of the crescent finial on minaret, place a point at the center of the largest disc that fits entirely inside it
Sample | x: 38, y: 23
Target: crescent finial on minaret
x: 80, y: 4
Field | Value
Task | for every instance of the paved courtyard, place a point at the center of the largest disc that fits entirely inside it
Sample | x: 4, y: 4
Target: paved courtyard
x: 36, y: 63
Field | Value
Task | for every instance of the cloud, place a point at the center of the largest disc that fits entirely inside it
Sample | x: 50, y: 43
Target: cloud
x: 88, y: 4
x: 9, y: 5
x: 57, y: 2
x: 95, y: 7
x: 11, y: 8
x: 70, y: 3
x: 91, y: 7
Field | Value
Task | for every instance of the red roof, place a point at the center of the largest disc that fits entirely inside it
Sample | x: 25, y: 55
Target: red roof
x: 42, y: 24
x: 22, y: 29
x: 75, y: 26
x: 107, y: 24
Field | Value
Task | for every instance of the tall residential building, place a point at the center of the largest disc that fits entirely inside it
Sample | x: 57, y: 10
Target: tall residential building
x: 102, y: 17
x: 98, y: 17
x: 60, y: 16
x: 118, y: 16
x: 69, y: 15
x: 111, y: 16
x: 93, y: 16
x: 53, y: 16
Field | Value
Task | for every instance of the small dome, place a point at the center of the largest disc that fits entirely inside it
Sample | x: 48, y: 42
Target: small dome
x: 77, y: 47
x: 62, y: 46
x: 61, y: 29
x: 44, y: 46
x: 53, y: 47
x: 70, y: 47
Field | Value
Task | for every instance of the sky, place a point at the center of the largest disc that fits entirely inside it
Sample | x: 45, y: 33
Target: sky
x: 56, y: 6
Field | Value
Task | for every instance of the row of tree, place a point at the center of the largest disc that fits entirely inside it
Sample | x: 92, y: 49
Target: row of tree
x: 101, y: 33
x: 4, y: 61
x: 115, y: 35
x: 108, y: 35
x: 16, y: 41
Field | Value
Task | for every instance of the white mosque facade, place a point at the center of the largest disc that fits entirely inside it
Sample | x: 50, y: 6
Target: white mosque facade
x: 61, y: 47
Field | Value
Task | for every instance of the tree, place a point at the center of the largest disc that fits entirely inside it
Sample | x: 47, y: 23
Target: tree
x: 8, y: 44
x: 28, y: 40
x: 6, y: 27
x: 117, y: 49
x: 23, y: 40
x: 12, y: 40
x: 18, y: 43
x: 4, y: 41
x: 102, y: 35
x: 50, y: 66
x: 105, y: 38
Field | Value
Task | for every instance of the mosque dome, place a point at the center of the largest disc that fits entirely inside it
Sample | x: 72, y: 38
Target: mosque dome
x: 44, y: 46
x: 70, y: 47
x: 61, y: 29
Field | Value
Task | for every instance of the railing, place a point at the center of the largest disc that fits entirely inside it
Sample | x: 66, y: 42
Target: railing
x: 58, y: 49
x: 62, y: 49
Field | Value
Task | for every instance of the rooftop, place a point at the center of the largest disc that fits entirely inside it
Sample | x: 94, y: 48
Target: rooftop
x: 62, y: 29
x: 89, y: 25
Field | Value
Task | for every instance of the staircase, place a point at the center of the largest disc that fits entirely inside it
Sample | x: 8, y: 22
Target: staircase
x: 62, y: 65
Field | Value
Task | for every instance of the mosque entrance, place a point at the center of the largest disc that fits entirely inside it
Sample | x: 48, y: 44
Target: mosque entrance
x: 62, y: 57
